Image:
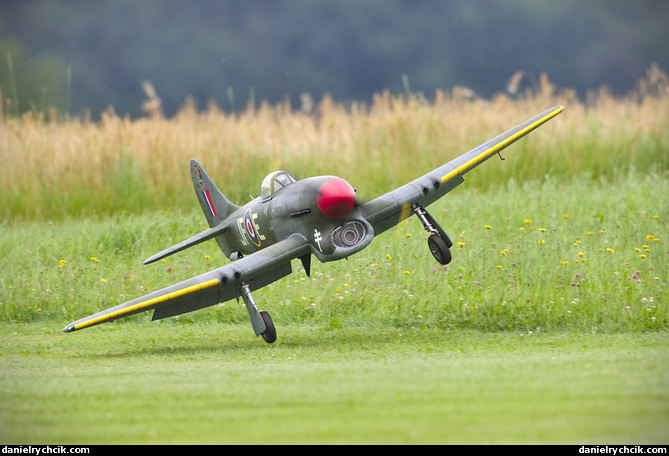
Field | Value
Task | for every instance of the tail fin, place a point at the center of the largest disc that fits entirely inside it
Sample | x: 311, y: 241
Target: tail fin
x: 215, y: 206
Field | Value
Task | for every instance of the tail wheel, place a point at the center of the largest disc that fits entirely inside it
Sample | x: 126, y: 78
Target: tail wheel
x: 439, y: 249
x: 269, y: 335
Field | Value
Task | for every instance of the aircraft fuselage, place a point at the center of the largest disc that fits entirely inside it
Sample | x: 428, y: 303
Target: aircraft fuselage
x: 320, y: 209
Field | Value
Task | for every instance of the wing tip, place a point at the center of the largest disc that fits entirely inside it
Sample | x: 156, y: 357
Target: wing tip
x: 549, y: 114
x: 69, y: 328
x: 151, y: 259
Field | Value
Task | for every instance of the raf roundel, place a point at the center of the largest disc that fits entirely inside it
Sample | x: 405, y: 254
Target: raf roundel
x: 250, y: 228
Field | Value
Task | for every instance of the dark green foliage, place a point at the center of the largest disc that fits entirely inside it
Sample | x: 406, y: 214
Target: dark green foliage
x: 98, y: 53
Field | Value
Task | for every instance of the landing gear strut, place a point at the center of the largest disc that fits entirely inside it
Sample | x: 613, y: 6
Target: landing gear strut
x: 438, y: 242
x: 260, y: 321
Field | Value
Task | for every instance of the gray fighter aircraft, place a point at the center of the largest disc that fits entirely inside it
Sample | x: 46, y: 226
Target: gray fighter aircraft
x: 292, y: 219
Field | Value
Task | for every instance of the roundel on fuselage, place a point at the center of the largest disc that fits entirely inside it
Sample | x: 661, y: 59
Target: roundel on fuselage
x: 250, y: 228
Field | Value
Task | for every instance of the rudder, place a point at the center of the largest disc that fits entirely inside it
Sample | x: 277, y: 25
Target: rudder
x: 215, y: 205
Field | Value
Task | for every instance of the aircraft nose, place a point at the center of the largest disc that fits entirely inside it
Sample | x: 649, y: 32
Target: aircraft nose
x: 336, y: 198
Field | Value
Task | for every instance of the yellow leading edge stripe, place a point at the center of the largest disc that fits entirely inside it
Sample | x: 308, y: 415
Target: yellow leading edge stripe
x: 150, y: 302
x: 502, y: 144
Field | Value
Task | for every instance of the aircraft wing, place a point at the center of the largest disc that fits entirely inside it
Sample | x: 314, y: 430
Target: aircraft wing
x: 390, y: 209
x: 220, y: 285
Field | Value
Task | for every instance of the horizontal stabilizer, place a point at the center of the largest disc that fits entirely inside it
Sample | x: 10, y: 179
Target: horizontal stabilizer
x: 190, y: 242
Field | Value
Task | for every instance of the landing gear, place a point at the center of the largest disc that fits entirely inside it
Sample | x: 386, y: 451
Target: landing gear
x: 439, y: 249
x: 438, y: 242
x: 269, y: 335
x: 261, y: 321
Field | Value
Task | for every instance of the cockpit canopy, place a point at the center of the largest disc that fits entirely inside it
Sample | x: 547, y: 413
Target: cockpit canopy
x: 274, y: 182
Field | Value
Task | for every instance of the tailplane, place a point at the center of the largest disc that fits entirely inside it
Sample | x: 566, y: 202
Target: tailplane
x: 215, y: 206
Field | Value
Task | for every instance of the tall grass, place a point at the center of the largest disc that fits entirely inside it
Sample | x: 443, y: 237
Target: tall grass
x: 55, y: 168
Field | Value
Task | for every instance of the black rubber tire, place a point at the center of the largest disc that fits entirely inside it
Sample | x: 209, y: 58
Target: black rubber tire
x: 269, y: 335
x: 439, y: 249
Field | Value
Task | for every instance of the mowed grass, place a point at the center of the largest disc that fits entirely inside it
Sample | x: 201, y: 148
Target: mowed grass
x: 213, y: 384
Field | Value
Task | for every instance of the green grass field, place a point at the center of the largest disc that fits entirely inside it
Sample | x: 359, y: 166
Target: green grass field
x: 213, y: 384
x: 549, y: 255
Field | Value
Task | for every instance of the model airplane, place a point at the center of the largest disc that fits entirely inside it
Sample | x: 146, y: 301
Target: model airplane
x: 293, y: 219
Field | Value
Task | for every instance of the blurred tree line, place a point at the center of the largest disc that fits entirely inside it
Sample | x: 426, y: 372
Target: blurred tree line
x: 90, y: 55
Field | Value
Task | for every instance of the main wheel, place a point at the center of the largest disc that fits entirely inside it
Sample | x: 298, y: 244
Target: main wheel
x: 439, y: 249
x: 269, y: 335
